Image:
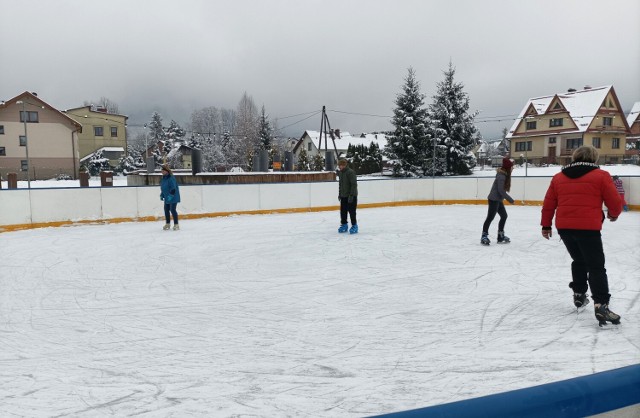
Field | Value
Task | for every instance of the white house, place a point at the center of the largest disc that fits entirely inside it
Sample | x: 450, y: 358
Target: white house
x: 313, y: 143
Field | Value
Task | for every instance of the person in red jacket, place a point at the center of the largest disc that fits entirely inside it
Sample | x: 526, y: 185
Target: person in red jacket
x: 575, y: 196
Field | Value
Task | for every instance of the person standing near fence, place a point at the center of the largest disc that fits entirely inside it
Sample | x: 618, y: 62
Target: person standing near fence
x: 499, y: 192
x: 170, y: 194
x: 348, y: 196
x: 575, y: 197
x: 617, y: 181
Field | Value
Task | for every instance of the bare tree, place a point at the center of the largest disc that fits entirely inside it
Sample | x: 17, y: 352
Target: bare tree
x: 105, y: 103
x: 207, y: 121
x: 246, y: 129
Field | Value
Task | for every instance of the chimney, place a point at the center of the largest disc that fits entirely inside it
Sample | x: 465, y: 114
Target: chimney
x: 587, y: 87
x: 571, y: 90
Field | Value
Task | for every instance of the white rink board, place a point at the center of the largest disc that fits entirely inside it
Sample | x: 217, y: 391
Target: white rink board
x: 55, y: 205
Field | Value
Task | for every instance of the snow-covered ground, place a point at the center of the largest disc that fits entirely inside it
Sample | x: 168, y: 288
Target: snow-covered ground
x: 518, y: 171
x: 278, y: 315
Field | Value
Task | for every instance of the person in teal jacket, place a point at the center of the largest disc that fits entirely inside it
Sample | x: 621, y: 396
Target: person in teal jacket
x: 170, y: 194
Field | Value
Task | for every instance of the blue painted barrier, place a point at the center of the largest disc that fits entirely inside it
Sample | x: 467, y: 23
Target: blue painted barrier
x: 578, y: 397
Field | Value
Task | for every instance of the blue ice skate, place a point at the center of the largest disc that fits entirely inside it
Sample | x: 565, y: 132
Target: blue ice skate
x: 343, y: 228
x: 354, y: 229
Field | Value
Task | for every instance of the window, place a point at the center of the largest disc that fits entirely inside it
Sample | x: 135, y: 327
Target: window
x: 114, y: 132
x: 98, y: 131
x: 615, y: 143
x: 555, y: 122
x: 1, y: 129
x: 596, y: 142
x: 524, y: 146
x: 557, y: 106
x: 531, y: 125
x: 32, y: 117
x: 607, y: 121
x: 23, y: 141
x: 3, y: 151
x: 573, y: 143
x: 24, y: 165
x: 552, y: 139
x: 309, y: 146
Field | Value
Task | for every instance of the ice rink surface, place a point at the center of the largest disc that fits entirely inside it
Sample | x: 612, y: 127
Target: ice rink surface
x: 279, y: 315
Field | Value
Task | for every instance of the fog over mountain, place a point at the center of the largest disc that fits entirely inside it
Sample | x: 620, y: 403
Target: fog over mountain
x: 294, y: 57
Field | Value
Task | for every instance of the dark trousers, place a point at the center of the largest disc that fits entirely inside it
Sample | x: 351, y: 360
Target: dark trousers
x: 346, y: 207
x: 171, y: 208
x: 495, y: 206
x: 587, y: 268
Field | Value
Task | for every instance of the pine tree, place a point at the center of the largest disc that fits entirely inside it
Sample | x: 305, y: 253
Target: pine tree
x: 452, y: 128
x: 98, y: 163
x: 126, y: 165
x: 156, y: 130
x: 174, y: 132
x: 264, y: 131
x: 318, y: 162
x: 303, y: 161
x: 407, y: 145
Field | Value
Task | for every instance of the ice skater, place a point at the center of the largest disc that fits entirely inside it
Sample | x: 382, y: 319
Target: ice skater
x: 620, y: 188
x: 575, y: 196
x: 348, y: 196
x: 170, y: 194
x: 499, y: 191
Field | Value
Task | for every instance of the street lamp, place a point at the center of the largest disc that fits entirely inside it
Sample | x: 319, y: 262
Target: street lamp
x: 26, y: 142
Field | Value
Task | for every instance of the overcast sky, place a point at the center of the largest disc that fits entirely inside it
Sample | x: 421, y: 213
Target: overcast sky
x: 294, y: 56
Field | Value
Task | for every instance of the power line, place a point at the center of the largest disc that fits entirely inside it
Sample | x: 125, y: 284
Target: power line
x: 359, y: 114
x: 315, y: 112
x: 301, y: 120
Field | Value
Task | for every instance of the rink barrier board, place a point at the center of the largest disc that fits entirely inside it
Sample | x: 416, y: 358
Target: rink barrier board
x: 611, y: 394
x: 36, y: 208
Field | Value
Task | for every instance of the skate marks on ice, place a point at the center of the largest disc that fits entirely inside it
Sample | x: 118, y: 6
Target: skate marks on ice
x: 280, y: 315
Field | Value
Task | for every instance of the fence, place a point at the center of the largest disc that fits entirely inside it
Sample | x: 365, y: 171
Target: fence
x: 27, y: 208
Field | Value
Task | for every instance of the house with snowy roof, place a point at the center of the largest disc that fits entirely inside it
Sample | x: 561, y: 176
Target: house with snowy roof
x: 633, y: 139
x: 314, y: 143
x: 35, y: 136
x: 550, y: 128
x: 100, y: 129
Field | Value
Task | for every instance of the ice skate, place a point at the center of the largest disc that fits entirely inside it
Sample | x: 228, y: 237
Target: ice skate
x: 580, y: 300
x: 604, y: 315
x: 343, y: 228
x: 166, y: 227
x: 176, y: 227
x: 502, y: 238
x: 354, y: 229
x: 485, y: 239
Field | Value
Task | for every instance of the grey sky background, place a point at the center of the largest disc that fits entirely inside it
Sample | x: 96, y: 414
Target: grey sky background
x: 294, y: 56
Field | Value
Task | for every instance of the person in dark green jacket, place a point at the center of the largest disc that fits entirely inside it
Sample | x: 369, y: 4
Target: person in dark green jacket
x: 348, y: 196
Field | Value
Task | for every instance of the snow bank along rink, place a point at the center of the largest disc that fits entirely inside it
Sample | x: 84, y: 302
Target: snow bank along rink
x: 278, y: 315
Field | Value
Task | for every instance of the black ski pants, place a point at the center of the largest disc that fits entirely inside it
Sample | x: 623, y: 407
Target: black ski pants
x: 495, y: 206
x: 170, y: 208
x: 346, y: 207
x: 587, y: 268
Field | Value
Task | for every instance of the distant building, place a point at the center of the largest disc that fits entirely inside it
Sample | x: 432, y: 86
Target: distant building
x: 550, y: 128
x: 50, y: 147
x: 314, y: 143
x: 100, y: 129
x: 633, y: 139
x: 113, y: 154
